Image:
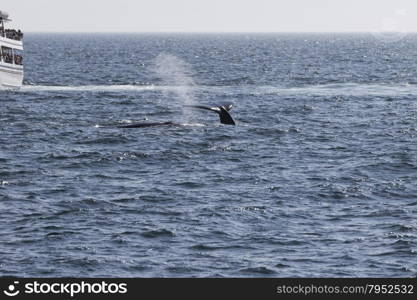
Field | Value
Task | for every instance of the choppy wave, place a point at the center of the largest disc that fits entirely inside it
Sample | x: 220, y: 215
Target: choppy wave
x: 301, y: 187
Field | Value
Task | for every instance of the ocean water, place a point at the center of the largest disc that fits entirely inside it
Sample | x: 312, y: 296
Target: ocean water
x: 317, y: 179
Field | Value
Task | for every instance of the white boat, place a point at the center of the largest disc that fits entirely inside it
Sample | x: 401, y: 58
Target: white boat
x: 11, y: 58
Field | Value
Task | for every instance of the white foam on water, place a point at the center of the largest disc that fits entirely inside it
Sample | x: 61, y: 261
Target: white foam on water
x: 86, y: 88
x: 342, y: 89
x: 193, y: 124
x: 184, y: 94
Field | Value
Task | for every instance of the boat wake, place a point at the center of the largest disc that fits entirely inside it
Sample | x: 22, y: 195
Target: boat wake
x: 337, y: 89
x: 86, y: 88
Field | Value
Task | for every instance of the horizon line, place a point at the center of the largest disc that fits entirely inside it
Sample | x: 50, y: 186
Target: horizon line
x: 226, y: 32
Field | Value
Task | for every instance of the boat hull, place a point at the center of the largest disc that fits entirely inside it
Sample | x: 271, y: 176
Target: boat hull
x: 11, y: 76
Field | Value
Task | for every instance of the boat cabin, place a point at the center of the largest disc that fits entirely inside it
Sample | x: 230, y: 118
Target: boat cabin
x: 10, y: 42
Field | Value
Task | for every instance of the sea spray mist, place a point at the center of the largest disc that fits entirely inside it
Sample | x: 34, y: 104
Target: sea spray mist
x: 176, y: 76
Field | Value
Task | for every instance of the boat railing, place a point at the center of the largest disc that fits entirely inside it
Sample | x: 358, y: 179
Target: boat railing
x: 11, y: 34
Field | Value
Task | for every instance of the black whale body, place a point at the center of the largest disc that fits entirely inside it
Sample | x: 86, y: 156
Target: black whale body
x: 143, y: 125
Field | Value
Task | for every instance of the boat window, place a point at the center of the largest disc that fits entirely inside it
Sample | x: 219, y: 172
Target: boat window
x: 18, y: 57
x: 7, y: 54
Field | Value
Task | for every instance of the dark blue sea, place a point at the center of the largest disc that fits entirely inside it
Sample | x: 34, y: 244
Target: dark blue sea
x: 317, y: 179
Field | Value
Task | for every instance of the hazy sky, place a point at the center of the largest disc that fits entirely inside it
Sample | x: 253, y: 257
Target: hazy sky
x: 212, y: 15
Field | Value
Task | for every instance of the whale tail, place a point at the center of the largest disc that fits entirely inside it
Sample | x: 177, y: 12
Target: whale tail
x: 223, y: 111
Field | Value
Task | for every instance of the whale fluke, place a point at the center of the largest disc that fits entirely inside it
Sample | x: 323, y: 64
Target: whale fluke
x: 223, y: 111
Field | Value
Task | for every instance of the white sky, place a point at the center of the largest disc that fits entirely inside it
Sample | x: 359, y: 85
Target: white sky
x: 212, y: 15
